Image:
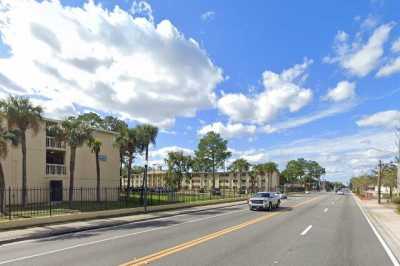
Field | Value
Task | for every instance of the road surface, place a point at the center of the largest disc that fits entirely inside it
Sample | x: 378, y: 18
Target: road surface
x: 317, y: 229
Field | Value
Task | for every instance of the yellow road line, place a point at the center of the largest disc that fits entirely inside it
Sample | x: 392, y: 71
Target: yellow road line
x: 165, y: 252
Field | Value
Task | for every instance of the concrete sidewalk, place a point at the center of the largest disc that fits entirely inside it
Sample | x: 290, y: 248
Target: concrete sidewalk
x: 59, y: 229
x: 386, y: 221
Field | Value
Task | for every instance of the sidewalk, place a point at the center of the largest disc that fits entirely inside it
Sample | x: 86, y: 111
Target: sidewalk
x: 386, y: 221
x: 58, y: 229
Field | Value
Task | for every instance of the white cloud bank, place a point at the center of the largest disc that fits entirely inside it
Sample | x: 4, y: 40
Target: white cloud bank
x: 387, y: 119
x: 281, y: 92
x: 110, y: 61
x: 360, y: 58
x: 230, y: 130
x: 344, y: 90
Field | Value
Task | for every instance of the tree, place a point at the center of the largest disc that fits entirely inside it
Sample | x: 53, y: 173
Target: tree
x: 5, y: 137
x: 270, y: 168
x: 75, y: 133
x: 389, y: 177
x: 147, y: 136
x: 92, y: 119
x: 294, y: 172
x: 239, y: 166
x: 313, y: 172
x: 179, y: 167
x: 95, y: 147
x: 212, y: 152
x: 129, y: 144
x: 21, y: 116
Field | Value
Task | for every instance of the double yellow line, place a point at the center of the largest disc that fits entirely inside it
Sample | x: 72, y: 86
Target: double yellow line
x: 165, y: 252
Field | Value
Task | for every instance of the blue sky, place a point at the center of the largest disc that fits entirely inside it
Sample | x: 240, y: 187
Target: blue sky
x: 279, y: 79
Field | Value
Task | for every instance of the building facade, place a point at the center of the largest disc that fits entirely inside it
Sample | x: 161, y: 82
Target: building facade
x: 48, y: 162
x: 223, y: 180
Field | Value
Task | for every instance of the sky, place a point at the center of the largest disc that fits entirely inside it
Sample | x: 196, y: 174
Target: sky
x: 280, y: 80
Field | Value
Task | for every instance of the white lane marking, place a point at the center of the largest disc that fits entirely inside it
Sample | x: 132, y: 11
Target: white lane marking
x: 326, y: 210
x: 306, y: 230
x: 383, y: 243
x: 113, y: 238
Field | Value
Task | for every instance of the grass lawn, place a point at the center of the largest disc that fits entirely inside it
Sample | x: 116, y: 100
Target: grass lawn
x: 153, y: 199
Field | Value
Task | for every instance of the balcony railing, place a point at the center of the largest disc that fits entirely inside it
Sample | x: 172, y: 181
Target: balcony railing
x: 55, y: 169
x: 52, y: 142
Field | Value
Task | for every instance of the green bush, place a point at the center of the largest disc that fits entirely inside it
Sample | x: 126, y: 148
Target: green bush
x: 396, y: 200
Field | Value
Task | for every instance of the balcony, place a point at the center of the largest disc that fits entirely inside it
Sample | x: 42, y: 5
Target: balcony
x: 55, y: 169
x: 53, y: 143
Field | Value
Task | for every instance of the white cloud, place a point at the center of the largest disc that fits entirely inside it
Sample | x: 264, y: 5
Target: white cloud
x: 110, y: 61
x: 230, y: 130
x: 344, y: 90
x: 142, y: 8
x: 392, y: 67
x: 388, y: 119
x: 360, y: 58
x: 342, y: 156
x: 207, y: 16
x: 281, y: 92
x: 300, y: 121
x: 396, y: 46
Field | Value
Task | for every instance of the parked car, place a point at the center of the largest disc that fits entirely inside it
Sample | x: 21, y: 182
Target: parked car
x: 242, y: 191
x: 281, y: 195
x: 202, y: 190
x: 340, y: 192
x: 216, y: 191
x: 264, y: 200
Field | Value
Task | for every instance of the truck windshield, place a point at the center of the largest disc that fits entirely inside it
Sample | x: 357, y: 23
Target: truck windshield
x: 262, y: 195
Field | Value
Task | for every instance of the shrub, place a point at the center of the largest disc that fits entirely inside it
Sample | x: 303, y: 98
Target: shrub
x: 396, y: 200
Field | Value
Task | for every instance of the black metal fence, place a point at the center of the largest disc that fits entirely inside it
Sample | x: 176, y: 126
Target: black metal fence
x: 47, y: 202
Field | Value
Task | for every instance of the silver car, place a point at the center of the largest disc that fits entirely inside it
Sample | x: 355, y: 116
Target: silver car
x: 264, y: 200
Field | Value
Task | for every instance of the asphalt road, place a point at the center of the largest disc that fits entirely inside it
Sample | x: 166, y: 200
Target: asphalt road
x: 318, y: 229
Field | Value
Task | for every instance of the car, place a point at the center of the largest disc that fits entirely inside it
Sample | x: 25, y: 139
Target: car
x: 216, y: 191
x: 307, y: 192
x: 264, y: 200
x: 281, y: 195
x: 340, y: 192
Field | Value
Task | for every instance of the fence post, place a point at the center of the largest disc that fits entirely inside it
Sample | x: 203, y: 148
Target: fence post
x: 50, y: 201
x: 9, y: 203
x: 105, y: 192
x: 81, y: 199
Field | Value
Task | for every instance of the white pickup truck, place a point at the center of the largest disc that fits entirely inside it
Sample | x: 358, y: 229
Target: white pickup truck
x: 264, y: 200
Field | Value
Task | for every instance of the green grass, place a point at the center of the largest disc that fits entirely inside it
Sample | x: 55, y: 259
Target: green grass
x: 154, y: 199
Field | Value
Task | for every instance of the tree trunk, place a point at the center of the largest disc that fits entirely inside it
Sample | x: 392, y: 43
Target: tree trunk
x: 71, y: 175
x: 390, y: 192
x: 2, y: 190
x: 213, y: 172
x: 121, y: 160
x: 144, y: 181
x: 130, y: 159
x: 98, y: 177
x: 24, y: 179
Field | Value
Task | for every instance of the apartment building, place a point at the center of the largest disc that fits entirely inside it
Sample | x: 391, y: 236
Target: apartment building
x: 48, y: 162
x: 223, y: 180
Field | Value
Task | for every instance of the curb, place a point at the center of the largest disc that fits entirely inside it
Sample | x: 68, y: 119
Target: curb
x: 114, y: 224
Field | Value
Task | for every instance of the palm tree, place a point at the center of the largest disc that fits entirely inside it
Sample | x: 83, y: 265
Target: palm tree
x: 21, y: 116
x: 239, y: 166
x: 5, y: 136
x: 147, y: 135
x: 128, y: 143
x: 270, y: 168
x: 75, y: 133
x: 95, y: 146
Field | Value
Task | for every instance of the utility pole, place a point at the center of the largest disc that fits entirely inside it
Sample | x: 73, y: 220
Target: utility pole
x: 379, y: 181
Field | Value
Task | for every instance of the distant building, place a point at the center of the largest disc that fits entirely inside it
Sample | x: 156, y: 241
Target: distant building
x: 48, y: 162
x: 223, y: 180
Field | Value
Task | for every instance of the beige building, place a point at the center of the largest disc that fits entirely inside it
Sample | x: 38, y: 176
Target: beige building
x: 223, y: 180
x: 48, y: 162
